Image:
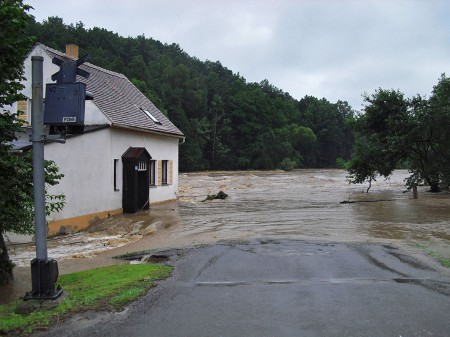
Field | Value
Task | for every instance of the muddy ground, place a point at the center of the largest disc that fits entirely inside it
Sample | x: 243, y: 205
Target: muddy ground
x: 304, y: 204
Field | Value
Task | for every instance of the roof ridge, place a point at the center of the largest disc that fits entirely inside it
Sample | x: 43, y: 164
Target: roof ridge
x: 87, y: 64
x: 110, y: 72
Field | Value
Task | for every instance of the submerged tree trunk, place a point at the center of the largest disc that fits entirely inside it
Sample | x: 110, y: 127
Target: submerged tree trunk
x: 6, y: 266
x: 415, y: 193
x: 370, y: 185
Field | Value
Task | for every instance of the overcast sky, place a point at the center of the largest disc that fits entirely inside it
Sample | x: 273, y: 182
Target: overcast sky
x: 337, y: 49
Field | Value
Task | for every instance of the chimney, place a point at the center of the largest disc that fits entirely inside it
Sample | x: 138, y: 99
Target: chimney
x: 72, y: 50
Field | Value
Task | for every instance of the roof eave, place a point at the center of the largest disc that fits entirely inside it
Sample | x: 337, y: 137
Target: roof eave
x: 160, y: 133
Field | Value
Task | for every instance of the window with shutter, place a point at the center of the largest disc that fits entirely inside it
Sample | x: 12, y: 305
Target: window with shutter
x: 152, y: 176
x: 164, y: 171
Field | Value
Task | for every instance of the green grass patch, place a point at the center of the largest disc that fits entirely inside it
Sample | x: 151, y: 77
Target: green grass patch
x: 445, y: 262
x: 434, y: 252
x: 107, y: 288
x: 422, y: 245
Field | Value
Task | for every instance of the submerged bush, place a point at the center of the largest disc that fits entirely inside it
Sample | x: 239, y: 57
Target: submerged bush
x: 287, y: 164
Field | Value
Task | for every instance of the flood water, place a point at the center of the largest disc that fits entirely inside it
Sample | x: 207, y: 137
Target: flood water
x: 302, y: 204
x: 307, y: 204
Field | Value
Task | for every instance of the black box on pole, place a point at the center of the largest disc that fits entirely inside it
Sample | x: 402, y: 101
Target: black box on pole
x: 65, y: 105
x: 65, y: 100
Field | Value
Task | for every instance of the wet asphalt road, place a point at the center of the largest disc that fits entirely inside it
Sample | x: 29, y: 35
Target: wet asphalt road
x: 285, y: 288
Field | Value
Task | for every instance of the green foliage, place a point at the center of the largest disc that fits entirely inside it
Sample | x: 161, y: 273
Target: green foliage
x: 331, y: 125
x: 228, y: 123
x: 16, y: 178
x: 395, y: 131
x: 16, y: 190
x: 53, y: 202
x: 435, y: 252
x: 378, y: 147
x: 14, y: 46
x: 445, y: 262
x: 109, y: 287
x: 341, y: 163
x: 429, y: 138
x: 287, y: 164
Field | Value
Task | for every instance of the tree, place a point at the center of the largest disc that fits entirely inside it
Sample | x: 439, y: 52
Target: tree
x: 428, y: 138
x: 290, y: 144
x: 14, y: 46
x: 329, y: 122
x: 380, y: 130
x: 394, y: 130
x: 440, y: 103
x: 219, y: 127
x: 16, y: 182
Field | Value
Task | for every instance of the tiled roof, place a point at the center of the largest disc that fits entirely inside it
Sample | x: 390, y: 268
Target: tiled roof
x: 120, y: 100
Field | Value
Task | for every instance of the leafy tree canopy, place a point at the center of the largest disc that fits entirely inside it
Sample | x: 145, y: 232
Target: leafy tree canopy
x: 396, y: 131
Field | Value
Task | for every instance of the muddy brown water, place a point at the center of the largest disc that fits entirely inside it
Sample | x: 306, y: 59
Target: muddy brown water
x: 303, y: 204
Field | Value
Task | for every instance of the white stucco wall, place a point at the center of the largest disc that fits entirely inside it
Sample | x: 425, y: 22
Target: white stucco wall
x: 87, y: 162
x: 48, y: 69
x: 159, y: 147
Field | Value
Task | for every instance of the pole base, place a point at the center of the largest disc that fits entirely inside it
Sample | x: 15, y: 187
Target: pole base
x: 44, y: 274
x: 58, y: 291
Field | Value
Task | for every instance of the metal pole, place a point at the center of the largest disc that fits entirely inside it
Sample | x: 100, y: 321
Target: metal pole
x: 44, y: 271
x: 37, y: 137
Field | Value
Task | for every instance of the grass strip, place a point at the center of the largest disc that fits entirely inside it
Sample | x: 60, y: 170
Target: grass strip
x: 445, y: 262
x: 106, y: 288
x: 434, y: 252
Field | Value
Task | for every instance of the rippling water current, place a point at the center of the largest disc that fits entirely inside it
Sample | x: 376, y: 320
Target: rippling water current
x: 308, y: 204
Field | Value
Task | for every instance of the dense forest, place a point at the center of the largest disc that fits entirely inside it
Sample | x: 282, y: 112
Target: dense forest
x: 228, y: 123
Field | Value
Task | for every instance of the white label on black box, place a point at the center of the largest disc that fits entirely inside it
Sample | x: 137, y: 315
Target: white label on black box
x: 69, y: 119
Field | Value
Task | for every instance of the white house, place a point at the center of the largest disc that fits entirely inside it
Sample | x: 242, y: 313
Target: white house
x: 127, y: 157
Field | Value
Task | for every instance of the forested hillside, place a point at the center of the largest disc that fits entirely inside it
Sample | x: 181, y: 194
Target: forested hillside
x: 228, y: 123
